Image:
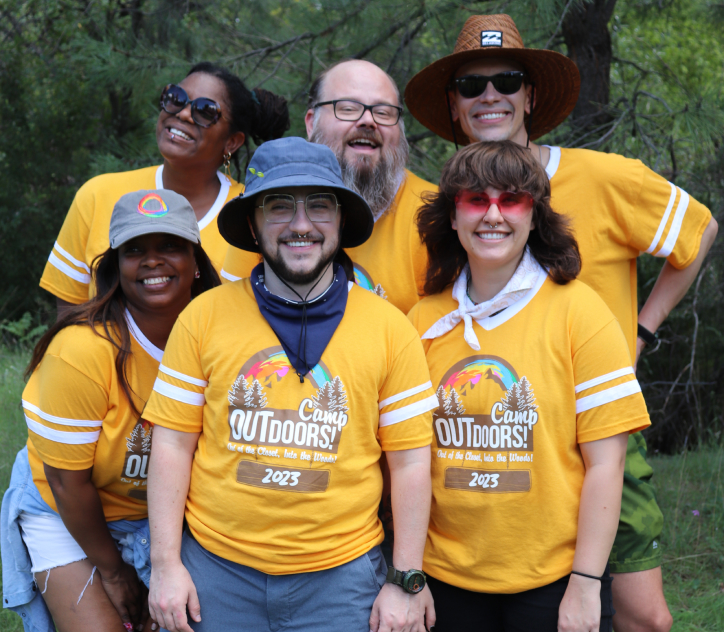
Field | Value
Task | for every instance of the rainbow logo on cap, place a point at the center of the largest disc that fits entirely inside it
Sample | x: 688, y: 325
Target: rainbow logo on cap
x: 146, y: 206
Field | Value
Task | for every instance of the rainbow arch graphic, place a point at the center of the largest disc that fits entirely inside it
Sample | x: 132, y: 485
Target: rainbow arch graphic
x: 145, y: 206
x: 471, y: 374
x: 363, y: 279
x: 277, y: 364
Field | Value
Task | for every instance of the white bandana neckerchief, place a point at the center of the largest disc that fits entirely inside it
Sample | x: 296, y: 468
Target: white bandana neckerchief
x: 523, y: 281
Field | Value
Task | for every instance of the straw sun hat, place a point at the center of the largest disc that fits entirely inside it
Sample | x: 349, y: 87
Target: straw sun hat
x: 554, y: 76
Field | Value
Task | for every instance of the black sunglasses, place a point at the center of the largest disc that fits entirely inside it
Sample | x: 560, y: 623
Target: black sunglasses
x: 204, y: 112
x: 471, y: 86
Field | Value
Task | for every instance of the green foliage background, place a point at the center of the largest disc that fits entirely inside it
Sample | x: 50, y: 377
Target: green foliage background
x: 80, y: 79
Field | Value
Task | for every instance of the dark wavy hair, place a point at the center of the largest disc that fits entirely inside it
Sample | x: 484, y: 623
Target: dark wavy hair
x: 261, y: 115
x: 506, y: 166
x: 105, y: 312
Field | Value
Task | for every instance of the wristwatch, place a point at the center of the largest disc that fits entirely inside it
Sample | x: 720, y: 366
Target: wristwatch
x: 411, y: 581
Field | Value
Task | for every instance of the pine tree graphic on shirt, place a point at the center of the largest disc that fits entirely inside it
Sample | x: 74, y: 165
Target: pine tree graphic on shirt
x: 526, y: 398
x: 441, y: 399
x: 455, y: 404
x: 331, y: 398
x: 139, y: 441
x: 452, y: 405
x: 254, y: 395
x: 238, y: 391
x: 380, y: 291
x: 519, y: 397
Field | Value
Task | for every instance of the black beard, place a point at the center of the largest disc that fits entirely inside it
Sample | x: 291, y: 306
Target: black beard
x: 282, y: 270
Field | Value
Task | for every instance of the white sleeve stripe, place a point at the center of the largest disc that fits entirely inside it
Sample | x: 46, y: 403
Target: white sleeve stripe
x: 63, y: 421
x: 228, y: 276
x: 664, y: 219
x: 675, y: 225
x: 62, y: 436
x: 604, y: 378
x: 409, y: 411
x: 607, y: 396
x: 405, y: 394
x: 181, y: 376
x: 67, y: 270
x: 179, y: 394
x: 71, y: 258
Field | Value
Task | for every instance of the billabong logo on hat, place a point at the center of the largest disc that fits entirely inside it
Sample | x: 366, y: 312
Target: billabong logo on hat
x: 149, y: 206
x: 491, y: 38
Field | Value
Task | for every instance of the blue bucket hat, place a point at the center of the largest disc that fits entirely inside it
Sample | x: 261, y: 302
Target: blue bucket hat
x: 294, y: 162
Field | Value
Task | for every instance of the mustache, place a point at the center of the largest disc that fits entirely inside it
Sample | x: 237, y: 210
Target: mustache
x: 364, y: 134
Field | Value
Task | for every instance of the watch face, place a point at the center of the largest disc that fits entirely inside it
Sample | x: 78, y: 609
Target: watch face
x: 415, y: 582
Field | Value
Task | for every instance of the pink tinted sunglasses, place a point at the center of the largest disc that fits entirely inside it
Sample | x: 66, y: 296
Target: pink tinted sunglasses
x: 513, y: 206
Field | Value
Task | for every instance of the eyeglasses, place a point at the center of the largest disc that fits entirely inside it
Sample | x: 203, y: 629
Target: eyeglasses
x: 204, y: 112
x: 513, y: 206
x: 279, y: 208
x: 382, y: 114
x: 471, y: 86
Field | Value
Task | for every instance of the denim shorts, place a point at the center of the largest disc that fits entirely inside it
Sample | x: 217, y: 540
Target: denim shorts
x: 236, y: 598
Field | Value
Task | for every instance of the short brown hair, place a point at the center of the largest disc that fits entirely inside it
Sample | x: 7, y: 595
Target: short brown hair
x: 506, y: 166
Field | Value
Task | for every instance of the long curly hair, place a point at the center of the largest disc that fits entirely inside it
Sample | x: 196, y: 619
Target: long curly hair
x: 506, y: 166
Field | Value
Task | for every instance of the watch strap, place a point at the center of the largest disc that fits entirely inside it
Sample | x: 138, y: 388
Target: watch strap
x: 649, y: 337
x: 394, y: 576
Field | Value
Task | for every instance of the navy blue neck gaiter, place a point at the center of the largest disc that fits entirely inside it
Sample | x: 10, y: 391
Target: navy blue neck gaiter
x: 303, y: 328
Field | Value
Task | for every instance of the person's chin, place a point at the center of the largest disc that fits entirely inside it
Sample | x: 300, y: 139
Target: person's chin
x: 362, y: 161
x: 489, y: 133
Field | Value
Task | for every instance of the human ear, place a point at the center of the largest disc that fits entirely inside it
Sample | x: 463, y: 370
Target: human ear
x: 528, y: 94
x: 309, y: 122
x: 453, y: 220
x: 251, y: 228
x: 234, y: 141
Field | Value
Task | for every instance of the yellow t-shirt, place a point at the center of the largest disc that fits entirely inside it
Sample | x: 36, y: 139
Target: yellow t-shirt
x: 79, y: 417
x: 84, y: 234
x: 620, y: 208
x: 553, y: 371
x: 286, y: 476
x: 391, y: 263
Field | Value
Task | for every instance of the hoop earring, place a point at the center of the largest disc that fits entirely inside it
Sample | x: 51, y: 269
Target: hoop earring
x: 227, y: 166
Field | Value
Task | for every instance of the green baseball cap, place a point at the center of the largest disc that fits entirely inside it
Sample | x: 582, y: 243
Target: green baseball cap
x: 152, y: 211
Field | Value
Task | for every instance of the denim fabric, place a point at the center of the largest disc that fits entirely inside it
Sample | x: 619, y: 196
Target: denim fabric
x: 20, y: 593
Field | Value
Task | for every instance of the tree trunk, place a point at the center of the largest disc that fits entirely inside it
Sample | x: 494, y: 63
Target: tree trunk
x: 585, y: 32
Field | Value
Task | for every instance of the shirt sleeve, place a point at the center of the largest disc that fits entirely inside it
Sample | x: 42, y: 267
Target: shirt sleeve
x: 666, y: 221
x: 67, y: 274
x: 407, y: 400
x: 177, y: 400
x: 64, y: 425
x: 608, y: 395
x: 238, y: 264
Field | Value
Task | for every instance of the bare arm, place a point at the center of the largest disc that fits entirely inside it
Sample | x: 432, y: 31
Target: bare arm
x: 395, y: 610
x: 79, y: 505
x: 671, y: 286
x: 172, y: 588
x: 598, y: 516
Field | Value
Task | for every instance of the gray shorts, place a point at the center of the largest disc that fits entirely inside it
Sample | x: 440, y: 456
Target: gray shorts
x: 236, y: 598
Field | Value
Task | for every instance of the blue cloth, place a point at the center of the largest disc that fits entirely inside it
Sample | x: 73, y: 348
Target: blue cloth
x: 285, y: 163
x: 237, y: 598
x: 305, y: 328
x: 20, y: 593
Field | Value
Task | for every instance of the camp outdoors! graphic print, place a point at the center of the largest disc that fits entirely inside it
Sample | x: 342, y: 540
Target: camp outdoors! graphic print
x: 486, y: 417
x: 310, y: 433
